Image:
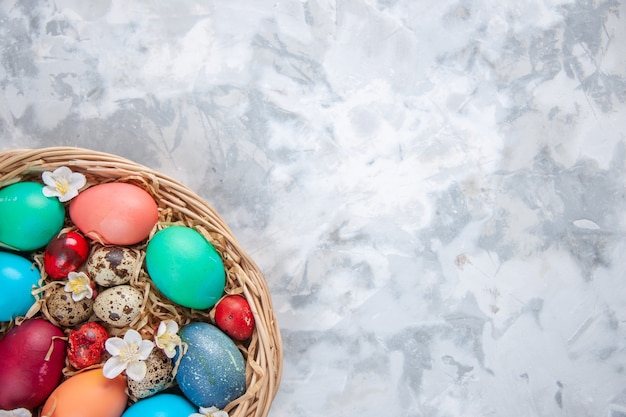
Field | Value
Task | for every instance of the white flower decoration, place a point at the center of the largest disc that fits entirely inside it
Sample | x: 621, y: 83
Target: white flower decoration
x: 167, y: 337
x: 62, y: 183
x: 18, y: 412
x: 210, y: 412
x: 129, y: 355
x: 79, y: 285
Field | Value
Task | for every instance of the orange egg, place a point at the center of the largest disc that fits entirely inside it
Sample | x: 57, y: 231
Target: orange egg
x: 87, y: 394
x: 115, y: 213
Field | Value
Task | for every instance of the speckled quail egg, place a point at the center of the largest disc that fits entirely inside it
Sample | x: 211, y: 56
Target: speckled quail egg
x: 119, y: 305
x: 65, y: 310
x: 158, y: 375
x: 112, y: 265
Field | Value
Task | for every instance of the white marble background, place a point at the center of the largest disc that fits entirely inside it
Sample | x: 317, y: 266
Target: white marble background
x: 435, y: 191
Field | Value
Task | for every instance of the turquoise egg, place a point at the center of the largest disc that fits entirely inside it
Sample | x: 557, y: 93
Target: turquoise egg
x: 213, y: 371
x: 161, y: 405
x: 17, y: 277
x: 185, y: 267
x: 28, y: 219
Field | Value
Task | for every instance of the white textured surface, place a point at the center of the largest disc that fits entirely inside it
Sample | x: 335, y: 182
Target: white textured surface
x: 435, y: 191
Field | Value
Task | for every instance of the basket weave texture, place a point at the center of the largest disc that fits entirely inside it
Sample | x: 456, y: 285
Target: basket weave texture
x: 179, y: 204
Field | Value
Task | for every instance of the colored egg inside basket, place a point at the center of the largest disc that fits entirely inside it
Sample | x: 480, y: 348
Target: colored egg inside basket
x: 107, y: 307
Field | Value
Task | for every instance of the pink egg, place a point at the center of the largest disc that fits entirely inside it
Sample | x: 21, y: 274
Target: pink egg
x: 114, y: 213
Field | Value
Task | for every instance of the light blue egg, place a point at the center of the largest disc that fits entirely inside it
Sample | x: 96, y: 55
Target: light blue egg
x: 212, y: 372
x: 17, y: 277
x: 161, y: 405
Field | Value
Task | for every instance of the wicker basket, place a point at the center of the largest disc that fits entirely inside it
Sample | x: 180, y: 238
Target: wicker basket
x: 177, y: 203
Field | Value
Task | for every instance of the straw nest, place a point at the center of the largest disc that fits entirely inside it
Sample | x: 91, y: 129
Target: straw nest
x: 177, y: 204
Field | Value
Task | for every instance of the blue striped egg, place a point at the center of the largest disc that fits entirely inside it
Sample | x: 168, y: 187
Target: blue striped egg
x: 212, y: 372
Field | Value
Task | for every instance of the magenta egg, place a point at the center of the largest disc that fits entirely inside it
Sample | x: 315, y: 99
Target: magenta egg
x: 32, y: 357
x: 64, y: 254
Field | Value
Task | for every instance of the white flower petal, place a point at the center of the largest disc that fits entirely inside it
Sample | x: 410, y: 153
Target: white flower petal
x: 170, y: 351
x: 77, y: 180
x: 71, y: 193
x: 50, y: 192
x: 18, y: 412
x: 114, y: 345
x: 86, y: 293
x: 113, y: 366
x: 132, y: 337
x: 162, y: 329
x: 77, y: 296
x: 63, y: 172
x: 48, y: 179
x: 145, y: 347
x: 136, y: 370
x: 213, y: 412
x: 171, y: 326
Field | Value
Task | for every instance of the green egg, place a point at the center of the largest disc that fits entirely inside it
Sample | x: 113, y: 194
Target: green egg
x: 185, y: 267
x: 28, y: 219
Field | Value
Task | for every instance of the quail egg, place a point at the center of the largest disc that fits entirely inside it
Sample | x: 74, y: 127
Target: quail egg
x: 64, y: 310
x: 119, y: 305
x: 112, y: 265
x: 158, y: 376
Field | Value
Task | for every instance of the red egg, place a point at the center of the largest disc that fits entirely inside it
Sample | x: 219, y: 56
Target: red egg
x: 234, y: 317
x: 64, y: 254
x: 86, y: 345
x: 32, y: 357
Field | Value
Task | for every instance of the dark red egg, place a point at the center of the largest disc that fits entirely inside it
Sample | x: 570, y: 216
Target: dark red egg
x: 234, y: 317
x: 86, y: 345
x: 64, y: 254
x: 32, y: 357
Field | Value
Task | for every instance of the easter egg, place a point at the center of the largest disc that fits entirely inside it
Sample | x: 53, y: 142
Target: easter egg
x: 29, y: 218
x: 185, y: 267
x: 161, y: 405
x: 115, y: 213
x: 64, y: 310
x: 85, y: 345
x: 87, y: 394
x: 32, y: 357
x: 64, y: 254
x: 119, y: 305
x: 234, y: 317
x: 17, y: 277
x: 212, y: 372
x: 113, y: 265
x: 158, y: 375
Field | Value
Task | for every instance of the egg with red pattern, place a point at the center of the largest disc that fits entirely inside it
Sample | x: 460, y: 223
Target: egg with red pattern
x: 64, y: 254
x: 86, y: 345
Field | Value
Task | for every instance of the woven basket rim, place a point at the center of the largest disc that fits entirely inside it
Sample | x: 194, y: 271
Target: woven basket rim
x: 264, y: 354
